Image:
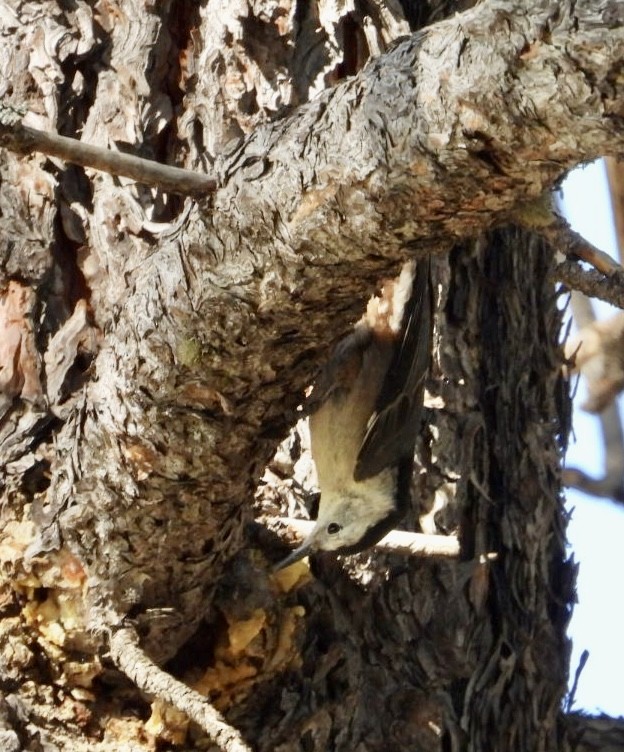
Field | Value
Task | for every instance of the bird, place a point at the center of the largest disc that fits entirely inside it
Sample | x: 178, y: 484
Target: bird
x: 364, y: 416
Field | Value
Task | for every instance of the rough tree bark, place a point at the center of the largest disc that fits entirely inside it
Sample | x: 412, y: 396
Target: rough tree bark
x: 155, y: 350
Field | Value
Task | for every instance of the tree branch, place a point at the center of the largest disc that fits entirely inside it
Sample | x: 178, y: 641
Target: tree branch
x: 343, y: 202
x: 610, y: 486
x: 540, y: 216
x: 397, y: 541
x: 569, y: 242
x: 307, y: 181
x: 615, y: 176
x: 135, y: 664
x: 25, y: 140
x: 592, y: 283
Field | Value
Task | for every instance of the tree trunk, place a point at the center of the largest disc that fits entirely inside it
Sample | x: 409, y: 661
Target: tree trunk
x: 155, y: 350
x: 430, y: 655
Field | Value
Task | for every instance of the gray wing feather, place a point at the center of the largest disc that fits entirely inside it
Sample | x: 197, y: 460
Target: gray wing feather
x: 393, y: 426
x: 337, y: 377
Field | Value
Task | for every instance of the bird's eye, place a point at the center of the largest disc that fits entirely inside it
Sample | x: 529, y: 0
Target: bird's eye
x: 333, y: 528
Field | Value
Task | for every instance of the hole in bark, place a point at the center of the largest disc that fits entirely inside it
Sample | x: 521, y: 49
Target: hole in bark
x: 207, y: 547
x: 36, y: 479
x: 197, y: 653
x: 40, y: 595
x: 355, y: 50
x: 64, y: 284
x: 183, y: 20
x: 307, y: 742
x: 266, y: 46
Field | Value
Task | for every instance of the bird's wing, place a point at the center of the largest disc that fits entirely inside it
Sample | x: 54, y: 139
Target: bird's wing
x: 336, y: 379
x: 392, y: 428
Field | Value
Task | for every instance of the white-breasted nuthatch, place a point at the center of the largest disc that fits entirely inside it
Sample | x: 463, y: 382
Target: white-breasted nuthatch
x: 365, y: 412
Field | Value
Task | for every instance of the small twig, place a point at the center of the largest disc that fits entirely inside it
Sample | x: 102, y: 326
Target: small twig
x: 592, y: 283
x: 540, y: 216
x: 25, y: 140
x: 607, y: 487
x: 397, y: 541
x: 567, y: 241
x: 148, y: 677
x: 605, y: 283
x: 577, y: 676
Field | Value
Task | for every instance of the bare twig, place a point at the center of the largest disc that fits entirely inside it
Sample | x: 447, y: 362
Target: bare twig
x: 397, y: 541
x: 605, y: 281
x: 25, y: 140
x: 577, y: 676
x: 567, y: 241
x: 607, y: 487
x: 592, y: 283
x: 135, y: 664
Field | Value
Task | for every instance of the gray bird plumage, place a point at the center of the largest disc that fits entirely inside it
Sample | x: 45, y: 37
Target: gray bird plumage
x: 365, y: 412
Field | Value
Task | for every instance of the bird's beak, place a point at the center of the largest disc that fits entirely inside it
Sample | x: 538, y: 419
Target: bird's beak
x: 299, y: 553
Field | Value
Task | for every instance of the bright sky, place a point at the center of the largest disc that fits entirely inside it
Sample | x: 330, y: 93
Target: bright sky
x: 596, y: 530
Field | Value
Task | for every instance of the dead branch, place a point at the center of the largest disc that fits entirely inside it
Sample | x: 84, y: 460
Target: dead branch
x: 605, y: 281
x: 607, y: 487
x: 397, y: 541
x: 592, y: 283
x: 137, y: 666
x: 562, y: 237
x: 25, y: 140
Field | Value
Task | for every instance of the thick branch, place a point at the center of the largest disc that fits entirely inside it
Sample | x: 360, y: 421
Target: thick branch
x: 414, y: 124
x: 413, y: 147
